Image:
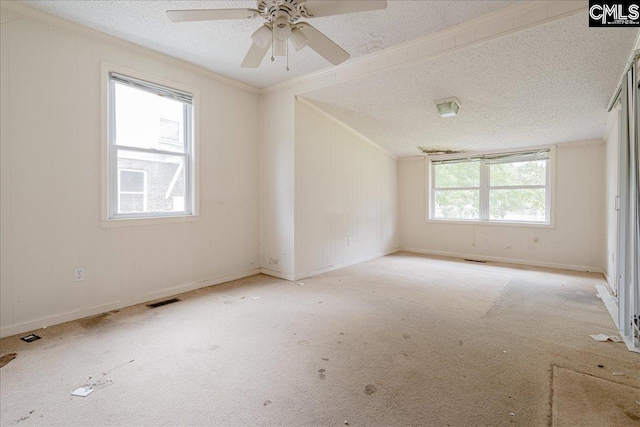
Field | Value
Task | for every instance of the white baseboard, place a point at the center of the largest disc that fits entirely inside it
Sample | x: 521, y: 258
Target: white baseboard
x: 341, y: 265
x: 611, y: 282
x: 278, y: 274
x: 506, y: 260
x: 612, y: 308
x: 92, y: 311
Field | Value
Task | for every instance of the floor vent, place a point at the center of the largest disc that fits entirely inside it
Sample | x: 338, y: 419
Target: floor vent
x: 475, y: 260
x: 30, y: 338
x: 161, y: 303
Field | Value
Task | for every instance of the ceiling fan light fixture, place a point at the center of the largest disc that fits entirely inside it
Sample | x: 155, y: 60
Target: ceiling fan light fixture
x: 298, y: 39
x: 448, y: 107
x: 281, y: 28
x: 279, y: 47
x: 262, y: 37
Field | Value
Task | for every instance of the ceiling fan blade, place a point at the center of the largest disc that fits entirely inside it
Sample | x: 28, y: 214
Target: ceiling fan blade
x: 209, y: 14
x: 319, y: 8
x: 254, y: 57
x: 324, y: 45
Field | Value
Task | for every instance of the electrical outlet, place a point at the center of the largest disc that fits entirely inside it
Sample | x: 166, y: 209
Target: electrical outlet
x: 284, y: 250
x: 78, y: 274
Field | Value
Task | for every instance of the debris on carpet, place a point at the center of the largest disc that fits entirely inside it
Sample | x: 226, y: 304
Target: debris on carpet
x: 88, y: 388
x: 603, y: 338
x: 25, y: 417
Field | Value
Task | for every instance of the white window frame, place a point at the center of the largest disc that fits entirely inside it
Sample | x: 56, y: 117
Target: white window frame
x: 485, y: 189
x: 144, y: 188
x: 110, y: 186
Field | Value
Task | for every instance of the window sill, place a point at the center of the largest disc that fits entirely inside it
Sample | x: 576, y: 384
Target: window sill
x: 134, y: 222
x: 492, y: 223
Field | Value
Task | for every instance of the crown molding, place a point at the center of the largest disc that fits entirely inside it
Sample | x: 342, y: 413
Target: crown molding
x: 487, y: 27
x: 19, y: 8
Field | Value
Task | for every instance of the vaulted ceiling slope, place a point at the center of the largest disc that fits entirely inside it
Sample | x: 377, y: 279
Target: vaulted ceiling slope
x: 220, y: 46
x: 544, y: 85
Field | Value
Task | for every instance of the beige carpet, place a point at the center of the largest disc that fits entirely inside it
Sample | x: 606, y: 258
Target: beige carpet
x: 401, y: 340
x: 586, y: 401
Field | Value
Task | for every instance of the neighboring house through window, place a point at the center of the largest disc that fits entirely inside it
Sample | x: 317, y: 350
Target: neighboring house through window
x: 132, y: 191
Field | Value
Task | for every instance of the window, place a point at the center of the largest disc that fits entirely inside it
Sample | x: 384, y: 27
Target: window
x: 150, y: 149
x: 132, y: 191
x: 510, y: 187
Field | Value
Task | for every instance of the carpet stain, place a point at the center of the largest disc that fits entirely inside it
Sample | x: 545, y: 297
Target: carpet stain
x: 406, y: 336
x: 325, y: 359
x: 266, y: 403
x: 95, y: 321
x: 632, y: 416
x: 303, y: 342
x: 460, y: 342
x: 214, y: 347
x: 6, y: 358
x: 580, y: 297
x: 322, y: 375
x: 227, y: 302
x: 319, y: 302
x: 369, y: 389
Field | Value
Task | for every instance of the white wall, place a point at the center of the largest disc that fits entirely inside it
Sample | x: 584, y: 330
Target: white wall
x: 612, y: 138
x: 576, y: 241
x: 276, y: 183
x: 345, y: 195
x: 51, y: 163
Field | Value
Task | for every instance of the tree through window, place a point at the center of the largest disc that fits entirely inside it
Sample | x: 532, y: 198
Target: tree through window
x: 510, y: 187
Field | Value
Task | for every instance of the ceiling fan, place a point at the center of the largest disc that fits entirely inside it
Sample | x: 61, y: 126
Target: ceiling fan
x: 283, y: 24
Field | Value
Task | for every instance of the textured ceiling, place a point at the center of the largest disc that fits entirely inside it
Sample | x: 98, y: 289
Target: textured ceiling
x: 548, y: 84
x: 220, y: 46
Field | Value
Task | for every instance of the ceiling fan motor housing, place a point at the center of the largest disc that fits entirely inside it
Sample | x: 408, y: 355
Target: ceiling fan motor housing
x: 291, y: 10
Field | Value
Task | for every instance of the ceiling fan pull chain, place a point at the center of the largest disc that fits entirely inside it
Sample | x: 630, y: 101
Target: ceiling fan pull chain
x: 272, y: 58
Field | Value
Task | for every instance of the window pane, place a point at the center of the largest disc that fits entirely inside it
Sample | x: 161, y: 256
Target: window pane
x: 457, y: 204
x: 458, y: 175
x: 519, y: 173
x: 131, y: 203
x: 165, y: 174
x: 132, y: 181
x: 146, y: 120
x: 518, y: 205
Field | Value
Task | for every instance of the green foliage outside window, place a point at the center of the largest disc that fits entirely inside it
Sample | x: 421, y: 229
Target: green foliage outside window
x: 508, y: 204
x: 518, y: 204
